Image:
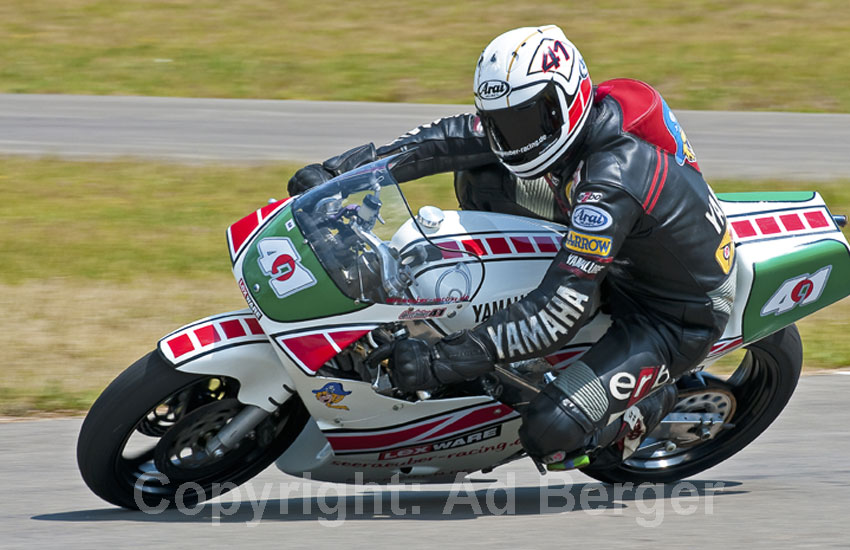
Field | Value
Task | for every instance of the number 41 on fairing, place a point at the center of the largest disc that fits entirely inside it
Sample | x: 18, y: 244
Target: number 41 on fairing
x: 800, y: 290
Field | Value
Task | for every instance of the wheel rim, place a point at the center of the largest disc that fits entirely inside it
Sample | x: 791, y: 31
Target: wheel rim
x: 747, y: 392
x: 212, y: 401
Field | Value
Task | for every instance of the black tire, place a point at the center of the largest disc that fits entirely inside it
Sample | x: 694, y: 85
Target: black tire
x: 762, y: 385
x: 127, y: 407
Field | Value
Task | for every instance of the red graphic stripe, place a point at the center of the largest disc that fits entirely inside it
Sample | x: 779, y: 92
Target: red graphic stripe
x: 792, y: 222
x: 721, y: 347
x: 345, y: 338
x: 816, y: 219
x: 743, y: 228
x: 522, y: 245
x: 474, y: 418
x: 180, y: 345
x: 499, y: 246
x: 351, y: 442
x: 232, y: 329
x: 241, y: 230
x: 447, y: 255
x: 475, y: 246
x: 662, y: 180
x: 207, y: 335
x: 768, y: 226
x: 253, y: 325
x: 546, y: 244
x: 313, y: 350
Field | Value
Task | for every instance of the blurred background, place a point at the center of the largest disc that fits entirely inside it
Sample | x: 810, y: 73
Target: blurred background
x: 101, y: 259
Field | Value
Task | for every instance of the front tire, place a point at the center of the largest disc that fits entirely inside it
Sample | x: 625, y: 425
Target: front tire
x: 151, y: 409
x: 761, y: 386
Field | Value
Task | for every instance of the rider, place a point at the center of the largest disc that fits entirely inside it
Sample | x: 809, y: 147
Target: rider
x: 613, y: 164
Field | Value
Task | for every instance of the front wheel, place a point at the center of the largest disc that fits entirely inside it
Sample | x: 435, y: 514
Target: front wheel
x: 741, y: 407
x: 142, y: 443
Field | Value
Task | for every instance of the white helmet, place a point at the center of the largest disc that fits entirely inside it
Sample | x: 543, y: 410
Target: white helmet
x: 533, y: 94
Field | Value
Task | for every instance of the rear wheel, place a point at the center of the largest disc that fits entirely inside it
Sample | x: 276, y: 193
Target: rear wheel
x: 716, y: 418
x: 142, y: 444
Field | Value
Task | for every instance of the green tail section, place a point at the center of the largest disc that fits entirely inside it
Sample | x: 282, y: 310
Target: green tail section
x: 794, y: 285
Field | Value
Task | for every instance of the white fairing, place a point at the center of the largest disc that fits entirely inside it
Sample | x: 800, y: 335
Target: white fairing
x: 515, y: 252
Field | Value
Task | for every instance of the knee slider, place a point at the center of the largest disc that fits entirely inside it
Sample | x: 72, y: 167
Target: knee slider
x: 552, y: 423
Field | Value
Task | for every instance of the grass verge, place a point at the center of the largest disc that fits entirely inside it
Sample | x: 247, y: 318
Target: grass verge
x: 702, y: 54
x: 101, y: 259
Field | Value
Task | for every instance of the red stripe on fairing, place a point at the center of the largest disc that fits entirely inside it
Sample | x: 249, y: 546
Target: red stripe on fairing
x: 447, y: 255
x: 522, y: 245
x: 472, y: 419
x: 312, y: 350
x: 499, y: 246
x: 721, y: 347
x: 351, y: 442
x: 233, y: 328
x: 181, y: 345
x: 475, y: 246
x: 254, y: 325
x: 792, y: 222
x: 207, y: 335
x: 816, y: 219
x: 743, y: 229
x: 345, y: 338
x: 768, y: 225
x: 241, y: 230
x: 663, y: 179
x: 546, y: 244
x: 269, y: 208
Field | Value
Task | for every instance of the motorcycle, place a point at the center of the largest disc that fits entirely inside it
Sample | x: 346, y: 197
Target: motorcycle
x: 334, y: 276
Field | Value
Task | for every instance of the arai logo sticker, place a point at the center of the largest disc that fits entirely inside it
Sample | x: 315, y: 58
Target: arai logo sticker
x: 800, y: 290
x: 591, y: 218
x: 280, y: 261
x: 493, y: 89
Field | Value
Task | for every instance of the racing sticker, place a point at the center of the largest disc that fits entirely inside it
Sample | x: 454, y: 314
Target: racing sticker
x: 588, y: 196
x: 281, y: 262
x: 797, y: 291
x: 331, y: 394
x: 591, y: 218
x: 725, y: 253
x: 592, y: 245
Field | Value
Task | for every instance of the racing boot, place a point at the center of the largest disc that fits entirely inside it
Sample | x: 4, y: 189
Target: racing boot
x: 619, y: 440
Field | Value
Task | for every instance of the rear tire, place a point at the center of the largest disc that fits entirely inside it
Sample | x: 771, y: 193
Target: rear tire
x: 148, y: 401
x: 762, y: 385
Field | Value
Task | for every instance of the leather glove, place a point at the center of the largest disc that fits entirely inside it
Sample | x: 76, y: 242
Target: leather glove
x: 316, y: 174
x: 307, y: 178
x: 457, y: 357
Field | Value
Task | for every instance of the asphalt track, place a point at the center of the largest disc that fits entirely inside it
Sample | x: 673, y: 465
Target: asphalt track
x: 789, y: 489
x: 728, y: 144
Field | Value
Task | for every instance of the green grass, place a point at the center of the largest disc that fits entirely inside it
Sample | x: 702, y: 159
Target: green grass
x: 100, y: 259
x: 717, y: 54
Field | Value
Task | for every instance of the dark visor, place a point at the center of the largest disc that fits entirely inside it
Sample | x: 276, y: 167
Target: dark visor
x: 518, y: 134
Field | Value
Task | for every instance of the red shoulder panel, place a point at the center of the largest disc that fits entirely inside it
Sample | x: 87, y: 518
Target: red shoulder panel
x: 646, y: 115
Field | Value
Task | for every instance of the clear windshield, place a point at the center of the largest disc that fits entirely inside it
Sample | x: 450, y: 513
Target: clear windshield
x: 349, y: 222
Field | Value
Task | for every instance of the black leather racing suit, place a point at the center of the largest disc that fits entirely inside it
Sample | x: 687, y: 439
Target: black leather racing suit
x: 644, y: 229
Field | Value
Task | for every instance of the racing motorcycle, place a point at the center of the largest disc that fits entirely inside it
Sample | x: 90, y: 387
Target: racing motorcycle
x: 335, y: 276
